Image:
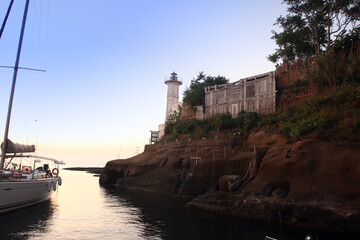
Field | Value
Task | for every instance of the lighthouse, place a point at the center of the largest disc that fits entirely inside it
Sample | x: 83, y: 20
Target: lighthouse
x: 172, y: 99
x: 172, y: 102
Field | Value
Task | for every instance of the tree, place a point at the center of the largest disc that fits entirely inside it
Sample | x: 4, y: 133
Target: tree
x: 194, y: 95
x: 314, y: 26
x: 295, y: 42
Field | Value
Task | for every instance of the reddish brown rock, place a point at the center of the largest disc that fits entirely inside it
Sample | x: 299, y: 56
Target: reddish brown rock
x: 310, y: 182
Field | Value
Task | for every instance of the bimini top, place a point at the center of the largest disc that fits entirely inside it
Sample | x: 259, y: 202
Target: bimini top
x: 18, y: 148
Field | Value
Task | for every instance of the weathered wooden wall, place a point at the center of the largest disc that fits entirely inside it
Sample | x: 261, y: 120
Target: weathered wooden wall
x: 253, y: 94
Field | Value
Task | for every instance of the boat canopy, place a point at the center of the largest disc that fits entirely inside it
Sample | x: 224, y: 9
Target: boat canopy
x: 18, y: 148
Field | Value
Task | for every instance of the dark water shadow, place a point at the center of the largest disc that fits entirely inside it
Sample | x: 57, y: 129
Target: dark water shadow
x: 165, y: 217
x: 27, y: 222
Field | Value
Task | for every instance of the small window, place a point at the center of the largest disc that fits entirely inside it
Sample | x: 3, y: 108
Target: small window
x: 250, y: 91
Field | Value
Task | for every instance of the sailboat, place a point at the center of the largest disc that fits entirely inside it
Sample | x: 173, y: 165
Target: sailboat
x: 25, y: 179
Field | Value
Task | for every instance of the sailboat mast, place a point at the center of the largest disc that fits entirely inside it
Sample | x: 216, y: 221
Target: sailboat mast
x: 16, y: 67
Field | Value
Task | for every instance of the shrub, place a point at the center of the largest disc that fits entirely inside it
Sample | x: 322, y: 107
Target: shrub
x: 287, y: 115
x: 251, y: 120
x: 240, y: 119
x: 246, y: 120
x: 306, y: 125
x: 289, y: 129
x: 227, y: 122
x: 221, y: 121
x: 268, y: 120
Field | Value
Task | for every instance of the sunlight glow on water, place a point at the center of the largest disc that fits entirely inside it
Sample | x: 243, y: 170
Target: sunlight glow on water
x: 84, y: 211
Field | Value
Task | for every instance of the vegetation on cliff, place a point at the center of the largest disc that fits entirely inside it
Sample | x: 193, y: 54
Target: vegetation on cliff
x: 333, y: 114
x: 205, y: 128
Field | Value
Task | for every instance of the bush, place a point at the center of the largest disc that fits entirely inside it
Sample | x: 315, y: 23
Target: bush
x: 290, y: 129
x: 268, y: 120
x: 251, y: 120
x: 303, y: 126
x: 222, y: 122
x: 240, y: 119
x: 287, y: 115
x: 247, y: 120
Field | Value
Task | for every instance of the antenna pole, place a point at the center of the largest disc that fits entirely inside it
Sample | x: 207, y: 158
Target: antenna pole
x: 16, y: 67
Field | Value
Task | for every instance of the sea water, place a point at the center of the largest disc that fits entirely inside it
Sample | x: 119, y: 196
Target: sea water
x: 81, y: 209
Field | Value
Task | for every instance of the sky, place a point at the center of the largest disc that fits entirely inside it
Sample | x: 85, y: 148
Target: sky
x: 106, y: 63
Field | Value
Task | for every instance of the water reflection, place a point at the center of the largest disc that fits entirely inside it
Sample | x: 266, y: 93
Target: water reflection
x: 28, y: 222
x: 163, y: 217
x: 81, y: 209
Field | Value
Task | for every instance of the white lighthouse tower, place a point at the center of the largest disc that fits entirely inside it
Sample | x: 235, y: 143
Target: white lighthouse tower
x: 172, y: 99
x: 172, y: 94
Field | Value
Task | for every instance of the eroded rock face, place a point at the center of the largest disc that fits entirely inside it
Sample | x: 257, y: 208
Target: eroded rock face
x: 311, y: 182
x: 185, y: 169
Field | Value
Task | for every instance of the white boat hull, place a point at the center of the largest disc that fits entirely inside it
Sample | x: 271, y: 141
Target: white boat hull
x: 19, y: 194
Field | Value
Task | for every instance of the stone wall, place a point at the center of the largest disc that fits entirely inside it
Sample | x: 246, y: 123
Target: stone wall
x: 287, y: 75
x: 187, y: 111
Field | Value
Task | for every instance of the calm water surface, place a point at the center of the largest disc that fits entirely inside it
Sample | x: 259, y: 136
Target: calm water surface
x: 81, y: 209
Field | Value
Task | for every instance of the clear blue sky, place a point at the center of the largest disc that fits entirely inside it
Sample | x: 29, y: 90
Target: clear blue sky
x: 106, y: 62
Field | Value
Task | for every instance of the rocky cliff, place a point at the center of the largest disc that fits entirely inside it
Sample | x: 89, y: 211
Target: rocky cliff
x: 308, y: 182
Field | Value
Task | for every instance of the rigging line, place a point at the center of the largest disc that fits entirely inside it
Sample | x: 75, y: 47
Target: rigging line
x: 24, y: 68
x: 6, y: 17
